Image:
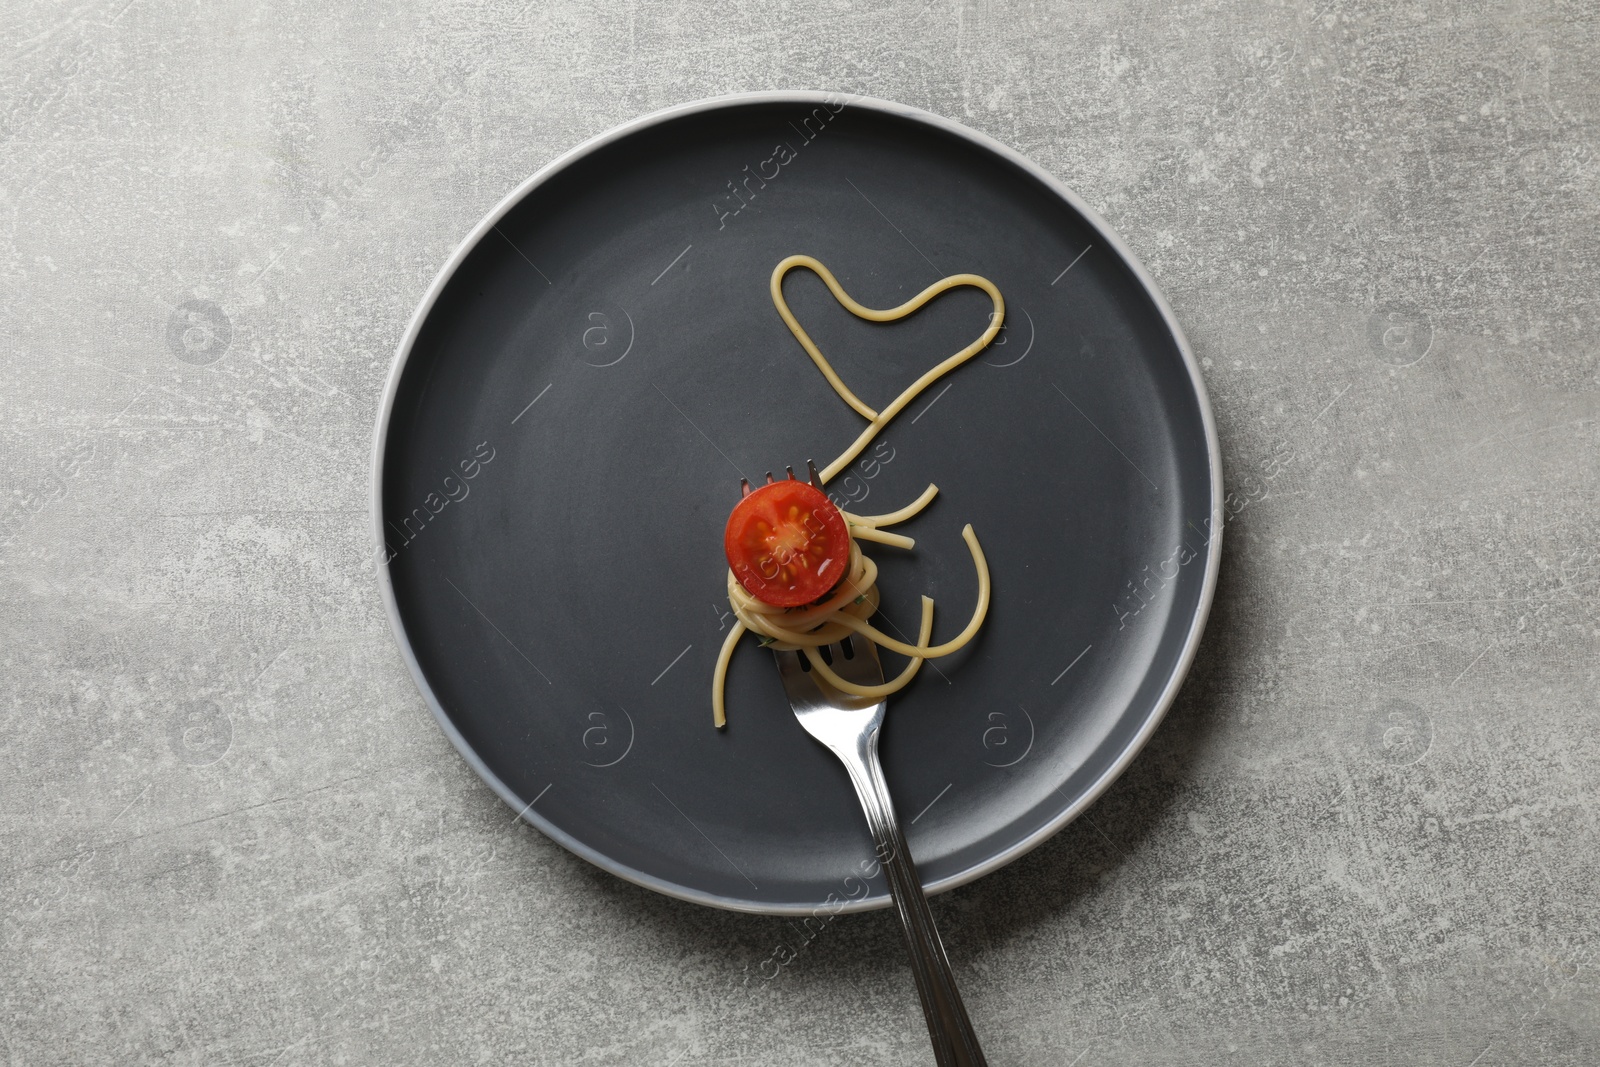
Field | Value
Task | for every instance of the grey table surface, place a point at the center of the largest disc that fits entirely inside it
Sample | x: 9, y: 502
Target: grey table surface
x: 1367, y: 832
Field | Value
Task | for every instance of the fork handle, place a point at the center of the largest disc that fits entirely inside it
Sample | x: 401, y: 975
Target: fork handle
x: 954, y: 1042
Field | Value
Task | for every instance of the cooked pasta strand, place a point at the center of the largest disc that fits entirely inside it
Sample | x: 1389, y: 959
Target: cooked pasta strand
x: 882, y: 537
x: 879, y: 419
x: 895, y: 517
x: 719, y: 712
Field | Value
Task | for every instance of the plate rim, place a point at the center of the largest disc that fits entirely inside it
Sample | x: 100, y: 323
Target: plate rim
x: 941, y: 124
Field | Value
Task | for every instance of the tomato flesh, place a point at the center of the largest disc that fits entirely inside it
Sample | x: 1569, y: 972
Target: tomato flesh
x: 787, y: 543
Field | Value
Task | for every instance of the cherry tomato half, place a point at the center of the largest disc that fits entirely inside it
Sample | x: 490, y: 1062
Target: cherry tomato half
x: 787, y: 544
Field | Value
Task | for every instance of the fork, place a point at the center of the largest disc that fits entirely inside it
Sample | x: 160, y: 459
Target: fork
x: 849, y: 726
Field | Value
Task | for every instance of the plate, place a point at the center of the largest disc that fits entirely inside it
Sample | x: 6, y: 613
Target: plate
x: 573, y: 405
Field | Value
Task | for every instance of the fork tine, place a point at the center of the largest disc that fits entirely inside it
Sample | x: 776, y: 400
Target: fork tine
x: 811, y: 476
x: 862, y: 667
x: 797, y: 680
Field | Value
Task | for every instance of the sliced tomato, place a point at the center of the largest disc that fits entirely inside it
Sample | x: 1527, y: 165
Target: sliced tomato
x: 787, y: 543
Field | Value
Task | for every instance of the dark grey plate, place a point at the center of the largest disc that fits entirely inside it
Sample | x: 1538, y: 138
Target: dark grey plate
x: 601, y: 356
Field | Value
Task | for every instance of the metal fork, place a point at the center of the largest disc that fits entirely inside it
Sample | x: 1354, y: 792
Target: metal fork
x: 849, y: 726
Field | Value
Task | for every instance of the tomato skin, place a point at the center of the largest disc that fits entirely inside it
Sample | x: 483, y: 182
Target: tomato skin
x: 787, y: 543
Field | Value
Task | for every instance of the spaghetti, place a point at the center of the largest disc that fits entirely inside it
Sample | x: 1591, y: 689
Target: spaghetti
x: 846, y: 609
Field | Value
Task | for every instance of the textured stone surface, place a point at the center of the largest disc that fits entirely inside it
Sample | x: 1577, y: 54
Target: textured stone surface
x: 1367, y: 834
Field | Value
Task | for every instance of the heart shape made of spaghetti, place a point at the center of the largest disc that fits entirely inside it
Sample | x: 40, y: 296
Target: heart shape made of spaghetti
x: 879, y: 419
